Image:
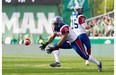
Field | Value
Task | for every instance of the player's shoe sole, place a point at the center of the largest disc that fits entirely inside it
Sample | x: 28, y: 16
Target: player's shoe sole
x: 56, y: 64
x: 100, y: 67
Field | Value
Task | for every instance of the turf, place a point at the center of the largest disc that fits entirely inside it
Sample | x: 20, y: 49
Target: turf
x: 39, y: 65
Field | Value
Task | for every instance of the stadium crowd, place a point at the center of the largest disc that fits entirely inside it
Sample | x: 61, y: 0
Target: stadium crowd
x: 103, y: 26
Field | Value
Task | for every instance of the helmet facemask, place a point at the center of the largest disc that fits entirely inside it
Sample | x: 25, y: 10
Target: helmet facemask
x: 78, y: 9
x: 57, y: 21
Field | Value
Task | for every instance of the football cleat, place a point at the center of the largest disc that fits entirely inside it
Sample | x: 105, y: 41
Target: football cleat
x: 100, y: 67
x: 87, y: 63
x: 56, y: 64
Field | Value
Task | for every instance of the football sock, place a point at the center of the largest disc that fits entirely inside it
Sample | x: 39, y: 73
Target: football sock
x: 92, y: 59
x: 57, y: 55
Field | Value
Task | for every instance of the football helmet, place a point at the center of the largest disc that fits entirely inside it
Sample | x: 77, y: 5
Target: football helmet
x: 57, y: 20
x: 78, y: 9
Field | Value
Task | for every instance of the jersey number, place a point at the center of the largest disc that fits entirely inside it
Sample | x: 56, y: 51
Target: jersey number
x: 74, y: 24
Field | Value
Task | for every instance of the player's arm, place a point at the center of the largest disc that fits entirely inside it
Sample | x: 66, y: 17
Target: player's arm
x: 82, y: 21
x: 51, y: 38
x: 88, y: 27
x: 63, y: 38
x: 65, y: 32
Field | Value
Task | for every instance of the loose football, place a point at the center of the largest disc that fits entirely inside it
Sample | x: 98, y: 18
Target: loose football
x: 27, y: 41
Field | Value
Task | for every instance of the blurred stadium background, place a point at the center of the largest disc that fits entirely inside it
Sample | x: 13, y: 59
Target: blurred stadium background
x: 31, y: 18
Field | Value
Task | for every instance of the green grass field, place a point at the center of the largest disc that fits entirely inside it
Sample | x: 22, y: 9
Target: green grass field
x: 39, y: 65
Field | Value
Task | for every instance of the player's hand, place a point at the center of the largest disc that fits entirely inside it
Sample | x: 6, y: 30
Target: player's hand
x: 43, y: 46
x: 50, y: 49
x: 91, y: 26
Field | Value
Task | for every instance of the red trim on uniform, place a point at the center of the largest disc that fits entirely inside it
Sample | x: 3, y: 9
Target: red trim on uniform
x: 64, y: 29
x: 81, y: 19
x: 89, y: 51
x: 80, y: 45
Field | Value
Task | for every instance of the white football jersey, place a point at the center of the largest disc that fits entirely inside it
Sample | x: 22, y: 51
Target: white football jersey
x: 71, y: 36
x: 78, y: 24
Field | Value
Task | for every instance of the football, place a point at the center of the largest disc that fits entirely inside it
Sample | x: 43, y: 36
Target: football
x: 27, y: 41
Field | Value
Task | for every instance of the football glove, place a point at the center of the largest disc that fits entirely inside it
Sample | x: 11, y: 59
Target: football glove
x: 43, y: 46
x: 91, y: 26
x: 50, y: 49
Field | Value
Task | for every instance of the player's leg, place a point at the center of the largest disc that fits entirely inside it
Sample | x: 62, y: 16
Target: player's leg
x: 86, y: 61
x: 87, y: 44
x: 56, y: 53
x: 78, y: 47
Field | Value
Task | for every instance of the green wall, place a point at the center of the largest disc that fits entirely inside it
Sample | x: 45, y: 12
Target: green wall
x: 9, y: 10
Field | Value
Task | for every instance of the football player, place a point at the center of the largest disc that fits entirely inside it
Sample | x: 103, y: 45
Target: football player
x: 79, y: 26
x: 67, y: 34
